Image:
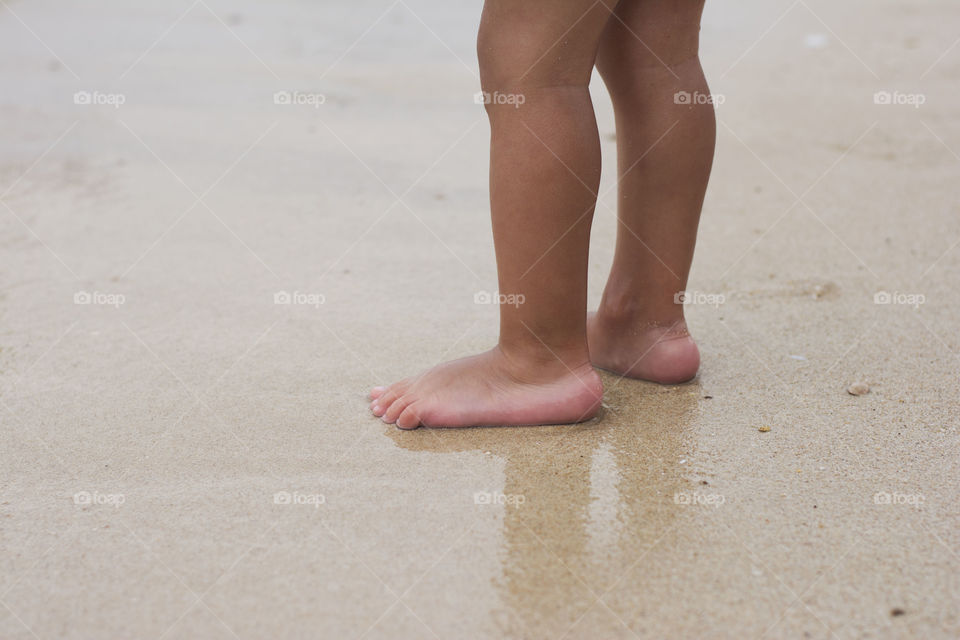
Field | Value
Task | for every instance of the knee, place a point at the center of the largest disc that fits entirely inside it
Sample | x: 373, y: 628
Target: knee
x: 625, y: 53
x: 518, y: 55
x: 667, y: 43
x: 632, y: 68
x: 495, y: 69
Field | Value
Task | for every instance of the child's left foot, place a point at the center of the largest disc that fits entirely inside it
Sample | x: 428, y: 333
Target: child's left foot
x: 492, y: 389
x: 654, y: 351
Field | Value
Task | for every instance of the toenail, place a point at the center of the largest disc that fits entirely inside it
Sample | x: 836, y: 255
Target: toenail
x: 376, y: 408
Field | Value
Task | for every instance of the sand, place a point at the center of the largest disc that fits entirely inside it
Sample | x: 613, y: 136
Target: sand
x: 182, y: 457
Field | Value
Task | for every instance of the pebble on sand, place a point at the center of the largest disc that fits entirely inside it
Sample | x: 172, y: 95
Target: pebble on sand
x: 858, y: 389
x: 763, y: 429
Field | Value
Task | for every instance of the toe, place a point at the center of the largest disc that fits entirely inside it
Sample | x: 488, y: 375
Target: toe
x: 382, y: 398
x: 381, y: 404
x: 409, y: 418
x: 390, y: 416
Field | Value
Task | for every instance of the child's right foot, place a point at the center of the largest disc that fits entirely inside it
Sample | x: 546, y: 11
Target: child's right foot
x: 658, y: 352
x: 491, y: 389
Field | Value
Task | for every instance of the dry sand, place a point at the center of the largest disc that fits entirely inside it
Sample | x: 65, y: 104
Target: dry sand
x: 144, y: 444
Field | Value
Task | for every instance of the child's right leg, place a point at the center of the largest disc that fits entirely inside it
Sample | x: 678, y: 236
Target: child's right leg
x: 665, y: 153
x: 544, y: 175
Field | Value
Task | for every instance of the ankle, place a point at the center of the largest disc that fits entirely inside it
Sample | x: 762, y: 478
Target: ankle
x: 632, y: 312
x: 533, y: 358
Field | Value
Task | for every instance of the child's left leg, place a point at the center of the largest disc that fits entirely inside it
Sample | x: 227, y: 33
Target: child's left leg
x: 544, y: 175
x: 649, y: 54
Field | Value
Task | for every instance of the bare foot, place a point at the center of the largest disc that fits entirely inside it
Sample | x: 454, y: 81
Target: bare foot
x: 491, y: 389
x: 658, y: 352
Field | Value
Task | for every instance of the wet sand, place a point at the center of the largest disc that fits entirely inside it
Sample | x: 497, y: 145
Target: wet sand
x: 185, y: 456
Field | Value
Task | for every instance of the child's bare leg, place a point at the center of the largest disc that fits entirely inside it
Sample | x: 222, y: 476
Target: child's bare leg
x: 639, y: 329
x: 544, y: 174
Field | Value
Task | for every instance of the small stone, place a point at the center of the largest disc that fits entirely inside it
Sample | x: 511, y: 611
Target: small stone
x: 763, y: 429
x: 858, y: 389
x: 897, y: 611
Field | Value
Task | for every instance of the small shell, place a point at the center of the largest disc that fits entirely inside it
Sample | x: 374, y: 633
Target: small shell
x: 858, y: 389
x: 763, y: 429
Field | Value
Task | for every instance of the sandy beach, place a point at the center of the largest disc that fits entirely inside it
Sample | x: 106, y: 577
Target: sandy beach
x: 222, y: 223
